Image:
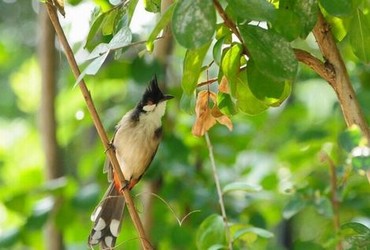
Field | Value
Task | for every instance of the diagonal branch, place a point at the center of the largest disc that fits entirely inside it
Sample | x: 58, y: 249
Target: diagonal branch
x: 97, y: 122
x: 342, y: 85
x: 322, y: 69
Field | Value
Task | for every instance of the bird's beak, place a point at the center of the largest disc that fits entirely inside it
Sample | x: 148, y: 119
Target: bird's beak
x: 167, y: 97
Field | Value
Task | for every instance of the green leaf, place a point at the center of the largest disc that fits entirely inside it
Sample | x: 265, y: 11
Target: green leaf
x: 121, y: 39
x: 86, y: 197
x: 93, y: 67
x: 359, y: 35
x: 226, y: 104
x: 163, y: 21
x: 194, y: 23
x: 255, y: 230
x: 324, y: 207
x: 287, y: 23
x: 210, y: 232
x: 271, y: 52
x: 230, y: 63
x: 256, y: 10
x: 192, y: 67
x: 356, y: 234
x: 9, y: 238
x: 350, y: 138
x: 187, y: 102
x: 356, y: 227
x: 246, y: 101
x: 338, y: 8
x: 130, y: 10
x: 95, y: 33
x: 153, y: 6
x: 265, y: 88
x: 217, y: 50
x: 307, y: 13
x: 241, y: 186
x: 109, y: 22
x: 294, y: 206
x: 40, y: 213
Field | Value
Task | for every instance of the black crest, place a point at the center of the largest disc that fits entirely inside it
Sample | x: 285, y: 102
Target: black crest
x: 153, y: 94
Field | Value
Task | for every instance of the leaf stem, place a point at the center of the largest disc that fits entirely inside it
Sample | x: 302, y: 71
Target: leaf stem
x: 97, y: 122
x: 219, y: 191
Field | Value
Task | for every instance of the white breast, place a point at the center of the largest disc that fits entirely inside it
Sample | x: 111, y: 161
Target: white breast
x: 135, y: 143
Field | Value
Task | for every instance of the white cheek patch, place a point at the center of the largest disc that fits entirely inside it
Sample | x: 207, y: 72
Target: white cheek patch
x: 149, y: 108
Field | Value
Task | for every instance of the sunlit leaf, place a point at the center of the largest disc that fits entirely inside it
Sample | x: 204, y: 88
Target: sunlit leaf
x: 152, y: 5
x: 161, y: 24
x: 246, y: 101
x: 255, y: 230
x: 95, y: 34
x: 93, y: 67
x: 271, y: 52
x: 240, y: 186
x: 192, y: 67
x: 230, y: 63
x: 109, y: 22
x: 338, y: 7
x: 194, y: 23
x: 210, y: 232
x: 121, y: 39
x: 359, y: 35
x: 217, y: 50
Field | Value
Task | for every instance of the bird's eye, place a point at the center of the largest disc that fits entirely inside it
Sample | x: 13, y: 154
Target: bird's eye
x: 149, y: 107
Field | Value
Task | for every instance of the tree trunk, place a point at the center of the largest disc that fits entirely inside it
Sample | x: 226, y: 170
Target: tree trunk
x: 53, y: 166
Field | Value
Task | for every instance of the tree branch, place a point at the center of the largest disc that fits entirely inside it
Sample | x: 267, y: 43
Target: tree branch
x: 325, y: 71
x: 342, y: 85
x: 97, y: 122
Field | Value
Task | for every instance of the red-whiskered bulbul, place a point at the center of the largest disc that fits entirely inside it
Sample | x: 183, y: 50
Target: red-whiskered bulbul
x: 135, y: 142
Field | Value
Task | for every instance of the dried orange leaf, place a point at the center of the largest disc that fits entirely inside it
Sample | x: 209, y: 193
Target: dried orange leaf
x: 224, y: 87
x: 222, y: 118
x: 204, y: 119
x: 203, y: 123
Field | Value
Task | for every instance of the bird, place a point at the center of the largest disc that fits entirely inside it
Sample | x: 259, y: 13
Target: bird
x: 135, y: 142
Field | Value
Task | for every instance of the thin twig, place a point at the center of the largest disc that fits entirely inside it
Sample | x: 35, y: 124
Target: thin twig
x: 230, y: 24
x: 219, y: 191
x: 207, y: 82
x: 333, y: 198
x: 97, y: 123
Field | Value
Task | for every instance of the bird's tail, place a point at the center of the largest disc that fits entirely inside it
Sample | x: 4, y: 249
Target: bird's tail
x: 107, y: 218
